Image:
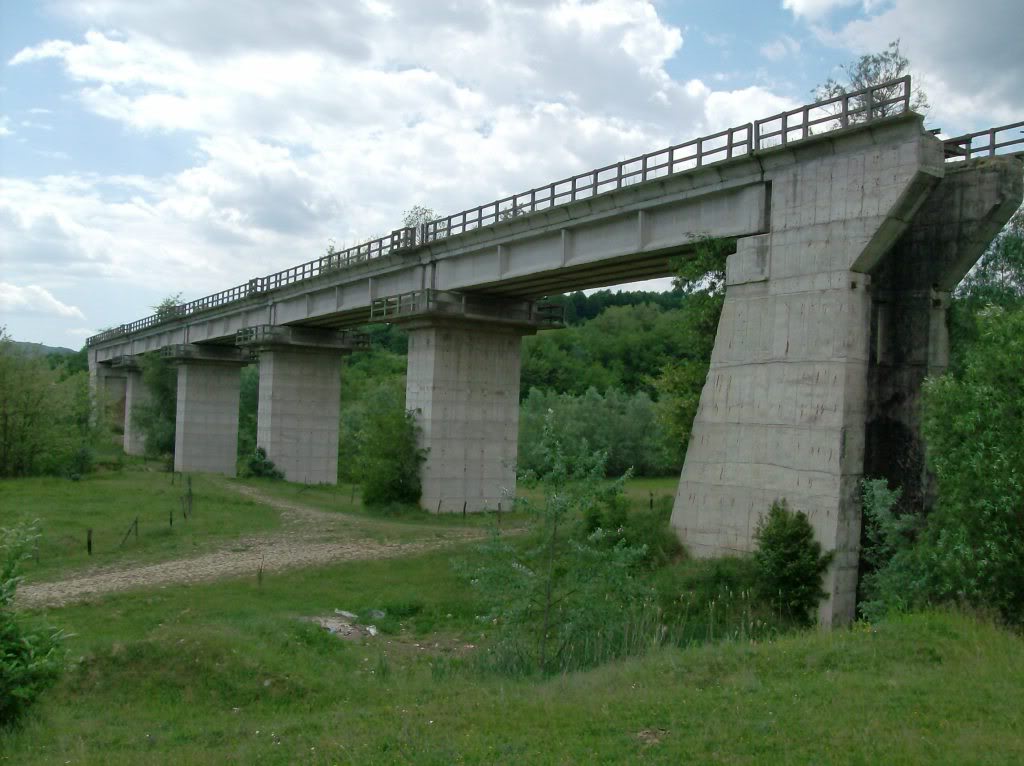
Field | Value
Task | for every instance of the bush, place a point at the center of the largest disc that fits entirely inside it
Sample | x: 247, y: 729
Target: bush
x: 259, y: 465
x: 30, y: 659
x: 790, y: 563
x: 972, y: 425
x: 646, y: 529
x: 558, y: 602
x: 390, y: 458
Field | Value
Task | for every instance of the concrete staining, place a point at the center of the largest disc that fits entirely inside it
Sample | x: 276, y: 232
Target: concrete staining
x: 463, y: 386
x: 206, y: 430
x: 299, y: 408
x: 785, y: 409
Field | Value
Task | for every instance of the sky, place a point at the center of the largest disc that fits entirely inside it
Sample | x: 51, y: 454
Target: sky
x: 151, y: 149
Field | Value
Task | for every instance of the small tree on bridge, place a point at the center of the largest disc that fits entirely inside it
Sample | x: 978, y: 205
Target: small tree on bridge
x: 870, y: 70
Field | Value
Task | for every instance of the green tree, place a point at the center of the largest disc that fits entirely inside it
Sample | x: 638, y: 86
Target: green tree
x: 44, y: 416
x: 389, y: 459
x: 996, y: 280
x: 418, y: 214
x: 700, y: 277
x: 972, y: 425
x: 157, y: 416
x: 790, y: 563
x: 31, y: 659
x: 559, y: 603
x: 873, y: 69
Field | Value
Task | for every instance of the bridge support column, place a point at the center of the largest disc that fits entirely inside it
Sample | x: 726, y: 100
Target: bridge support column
x: 136, y: 395
x: 463, y: 385
x: 299, y: 407
x: 782, y: 414
x: 108, y: 390
x: 206, y: 428
x: 300, y: 398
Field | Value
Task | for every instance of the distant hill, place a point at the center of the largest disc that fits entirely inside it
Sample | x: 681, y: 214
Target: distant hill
x: 38, y: 349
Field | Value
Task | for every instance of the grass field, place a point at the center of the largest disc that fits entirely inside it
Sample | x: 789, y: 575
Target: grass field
x: 233, y: 671
x: 229, y: 673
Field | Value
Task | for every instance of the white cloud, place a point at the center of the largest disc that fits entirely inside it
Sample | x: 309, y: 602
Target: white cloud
x: 816, y: 9
x: 780, y: 48
x: 5, y: 126
x: 968, y: 63
x: 325, y: 120
x: 34, y: 299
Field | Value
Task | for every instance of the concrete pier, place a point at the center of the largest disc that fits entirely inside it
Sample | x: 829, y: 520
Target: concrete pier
x: 206, y: 428
x: 136, y: 395
x: 462, y: 385
x: 783, y: 412
x: 110, y: 390
x: 300, y: 398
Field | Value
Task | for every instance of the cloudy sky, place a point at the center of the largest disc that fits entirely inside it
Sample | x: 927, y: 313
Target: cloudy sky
x: 151, y: 148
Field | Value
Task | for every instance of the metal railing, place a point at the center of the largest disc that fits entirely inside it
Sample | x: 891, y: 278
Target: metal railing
x: 444, y: 302
x: 1006, y: 139
x: 869, y: 104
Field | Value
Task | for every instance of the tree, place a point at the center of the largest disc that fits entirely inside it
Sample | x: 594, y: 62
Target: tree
x: 559, y: 603
x: 156, y: 417
x: 31, y: 659
x: 972, y: 425
x: 390, y: 458
x: 416, y: 215
x: 168, y: 308
x: 790, y: 563
x: 869, y: 70
x: 44, y: 416
x: 701, y: 278
x: 996, y: 280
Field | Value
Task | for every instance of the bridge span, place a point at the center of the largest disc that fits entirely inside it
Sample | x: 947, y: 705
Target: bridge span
x: 853, y: 225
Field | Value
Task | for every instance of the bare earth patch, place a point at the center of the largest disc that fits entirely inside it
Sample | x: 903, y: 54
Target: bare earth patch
x: 301, y: 543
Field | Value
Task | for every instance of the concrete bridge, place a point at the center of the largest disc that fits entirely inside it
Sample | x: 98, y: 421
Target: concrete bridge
x: 853, y: 224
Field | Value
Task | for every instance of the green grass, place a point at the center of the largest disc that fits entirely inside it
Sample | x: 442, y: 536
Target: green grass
x: 231, y: 672
x: 109, y: 501
x: 228, y: 673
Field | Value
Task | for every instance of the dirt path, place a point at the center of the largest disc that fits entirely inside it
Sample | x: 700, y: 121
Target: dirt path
x: 300, y: 543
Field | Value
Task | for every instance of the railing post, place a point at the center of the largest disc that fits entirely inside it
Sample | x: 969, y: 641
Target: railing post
x: 844, y: 118
x: 700, y: 151
x: 870, y: 96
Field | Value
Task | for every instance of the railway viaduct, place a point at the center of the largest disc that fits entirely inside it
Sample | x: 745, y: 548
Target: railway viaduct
x: 852, y: 225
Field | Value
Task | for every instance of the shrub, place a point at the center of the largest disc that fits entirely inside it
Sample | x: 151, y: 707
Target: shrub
x: 558, y: 602
x: 790, y: 563
x: 647, y: 529
x: 972, y: 425
x: 390, y: 459
x: 259, y: 465
x: 30, y: 658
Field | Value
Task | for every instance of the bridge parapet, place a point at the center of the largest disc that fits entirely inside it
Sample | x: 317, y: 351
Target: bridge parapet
x: 868, y: 105
x: 1006, y: 139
